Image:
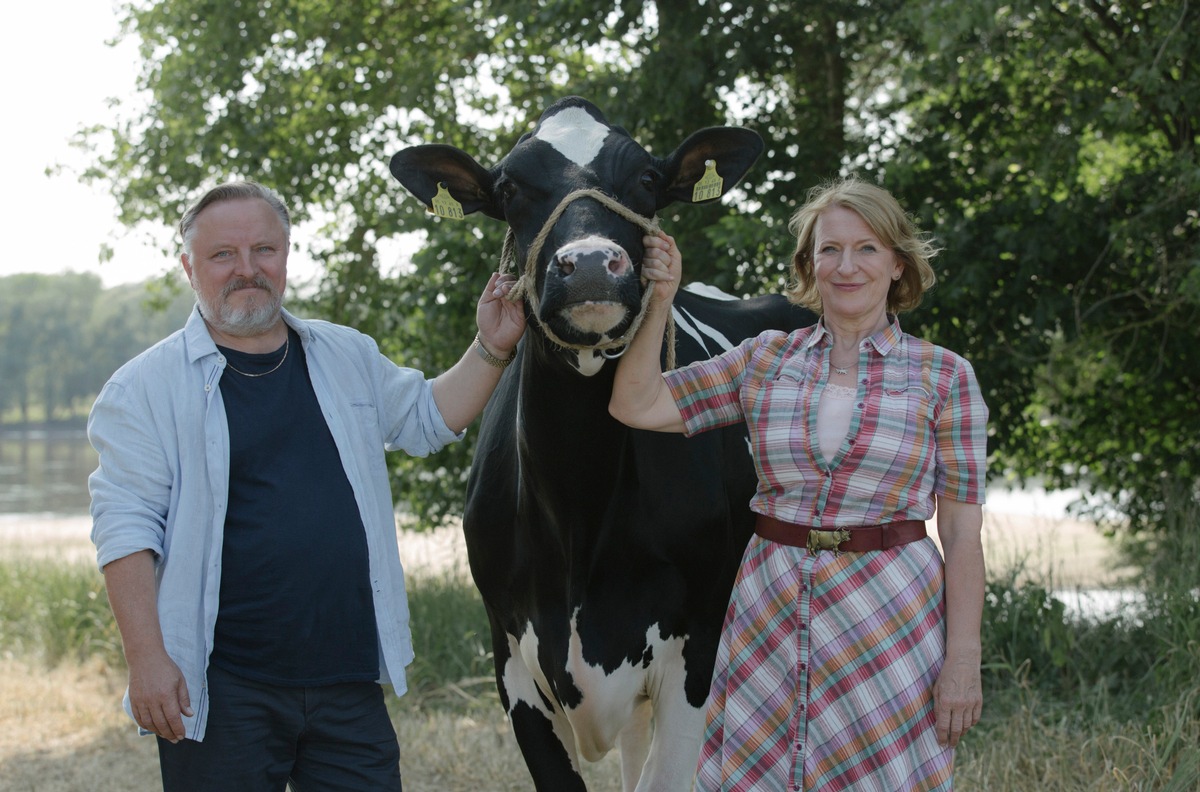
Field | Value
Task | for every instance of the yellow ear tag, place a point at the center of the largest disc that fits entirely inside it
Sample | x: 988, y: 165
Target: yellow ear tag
x: 444, y: 204
x: 710, y: 185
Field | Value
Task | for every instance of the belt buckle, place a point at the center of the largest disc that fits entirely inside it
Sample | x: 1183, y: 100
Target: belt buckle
x: 826, y: 540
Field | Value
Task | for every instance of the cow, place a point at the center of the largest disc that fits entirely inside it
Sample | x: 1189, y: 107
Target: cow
x: 604, y: 555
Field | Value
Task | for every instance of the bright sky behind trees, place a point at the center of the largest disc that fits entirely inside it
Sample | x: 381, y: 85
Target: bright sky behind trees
x: 59, y: 74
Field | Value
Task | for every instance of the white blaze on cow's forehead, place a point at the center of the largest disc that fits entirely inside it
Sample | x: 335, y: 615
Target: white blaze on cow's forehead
x: 574, y: 134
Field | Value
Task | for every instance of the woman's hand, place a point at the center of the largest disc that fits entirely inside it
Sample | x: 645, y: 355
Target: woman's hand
x: 957, y: 699
x: 662, y: 266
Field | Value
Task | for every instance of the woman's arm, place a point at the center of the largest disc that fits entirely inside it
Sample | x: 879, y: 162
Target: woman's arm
x: 640, y: 397
x: 958, y: 694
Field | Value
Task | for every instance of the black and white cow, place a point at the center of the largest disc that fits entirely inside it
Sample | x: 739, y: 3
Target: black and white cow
x: 604, y: 555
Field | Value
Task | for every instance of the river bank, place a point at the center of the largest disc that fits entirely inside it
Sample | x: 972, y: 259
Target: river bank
x: 1027, y: 539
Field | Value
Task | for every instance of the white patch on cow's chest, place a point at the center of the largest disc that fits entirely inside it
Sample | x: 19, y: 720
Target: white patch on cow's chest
x: 574, y: 134
x: 609, y: 699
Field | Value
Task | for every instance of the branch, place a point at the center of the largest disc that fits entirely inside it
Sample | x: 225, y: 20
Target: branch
x: 1170, y: 34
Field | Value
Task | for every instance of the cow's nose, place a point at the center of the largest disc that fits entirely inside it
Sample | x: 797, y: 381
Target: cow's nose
x: 591, y: 256
x: 609, y: 260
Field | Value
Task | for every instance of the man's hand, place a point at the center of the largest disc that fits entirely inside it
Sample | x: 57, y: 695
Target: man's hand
x: 501, y: 321
x: 158, y: 696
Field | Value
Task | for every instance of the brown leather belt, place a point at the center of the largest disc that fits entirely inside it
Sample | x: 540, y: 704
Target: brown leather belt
x: 842, y: 540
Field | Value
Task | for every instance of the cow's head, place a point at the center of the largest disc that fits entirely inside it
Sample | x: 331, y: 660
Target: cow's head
x: 586, y: 277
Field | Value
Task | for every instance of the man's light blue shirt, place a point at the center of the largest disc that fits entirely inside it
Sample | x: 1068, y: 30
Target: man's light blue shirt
x: 163, y: 478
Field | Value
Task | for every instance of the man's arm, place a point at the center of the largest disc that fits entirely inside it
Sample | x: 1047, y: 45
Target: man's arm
x: 462, y: 391
x: 157, y: 691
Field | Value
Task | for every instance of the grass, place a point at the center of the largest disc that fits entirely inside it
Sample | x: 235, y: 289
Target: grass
x: 55, y: 612
x: 1070, y: 704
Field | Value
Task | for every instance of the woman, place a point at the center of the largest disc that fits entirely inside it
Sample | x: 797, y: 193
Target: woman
x: 855, y: 667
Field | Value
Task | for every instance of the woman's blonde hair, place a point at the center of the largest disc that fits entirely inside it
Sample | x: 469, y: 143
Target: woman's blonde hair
x: 886, y: 219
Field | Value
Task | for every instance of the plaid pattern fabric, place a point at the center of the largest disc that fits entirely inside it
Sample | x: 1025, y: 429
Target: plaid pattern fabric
x: 919, y: 427
x: 826, y: 667
x: 818, y: 687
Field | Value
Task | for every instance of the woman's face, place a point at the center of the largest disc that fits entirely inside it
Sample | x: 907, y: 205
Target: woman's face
x: 853, y: 268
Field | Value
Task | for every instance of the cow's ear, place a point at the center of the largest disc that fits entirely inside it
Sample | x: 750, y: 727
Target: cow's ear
x: 732, y: 150
x: 422, y: 168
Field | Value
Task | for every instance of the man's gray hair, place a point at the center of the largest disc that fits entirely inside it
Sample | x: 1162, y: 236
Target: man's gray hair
x: 233, y: 191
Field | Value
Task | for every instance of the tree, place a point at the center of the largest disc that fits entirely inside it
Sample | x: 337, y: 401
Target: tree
x: 41, y: 323
x: 313, y: 97
x: 1050, y: 147
x: 1054, y: 146
x: 62, y: 337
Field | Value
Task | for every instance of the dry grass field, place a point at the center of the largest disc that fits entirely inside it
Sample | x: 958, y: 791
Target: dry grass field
x: 62, y: 729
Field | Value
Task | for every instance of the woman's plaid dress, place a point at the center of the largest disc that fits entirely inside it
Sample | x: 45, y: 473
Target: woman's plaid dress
x: 825, y: 671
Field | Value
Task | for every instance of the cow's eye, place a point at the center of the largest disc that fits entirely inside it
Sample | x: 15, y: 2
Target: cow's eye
x: 650, y: 180
x: 506, y: 190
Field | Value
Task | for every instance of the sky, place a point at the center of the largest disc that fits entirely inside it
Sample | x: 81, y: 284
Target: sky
x: 58, y: 74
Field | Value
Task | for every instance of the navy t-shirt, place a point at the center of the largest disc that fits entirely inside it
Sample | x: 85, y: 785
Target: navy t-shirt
x: 296, y: 606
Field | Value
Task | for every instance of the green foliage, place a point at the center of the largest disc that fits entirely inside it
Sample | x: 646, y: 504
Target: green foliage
x: 1051, y: 147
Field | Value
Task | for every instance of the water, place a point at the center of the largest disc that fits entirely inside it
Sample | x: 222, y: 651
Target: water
x: 43, y: 493
x: 45, y: 471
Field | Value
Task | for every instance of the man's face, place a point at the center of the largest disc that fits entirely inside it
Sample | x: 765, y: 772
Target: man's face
x: 237, y: 265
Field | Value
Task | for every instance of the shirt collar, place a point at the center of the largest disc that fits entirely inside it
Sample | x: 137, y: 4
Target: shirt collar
x: 884, y: 341
x: 200, y: 343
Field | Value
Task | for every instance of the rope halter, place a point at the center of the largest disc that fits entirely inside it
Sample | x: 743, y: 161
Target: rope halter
x: 526, y: 281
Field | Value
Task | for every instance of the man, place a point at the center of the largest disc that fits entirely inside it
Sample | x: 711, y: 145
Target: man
x: 243, y: 519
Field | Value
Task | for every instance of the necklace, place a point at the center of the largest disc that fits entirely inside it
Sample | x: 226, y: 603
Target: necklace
x: 286, y: 343
x: 839, y: 369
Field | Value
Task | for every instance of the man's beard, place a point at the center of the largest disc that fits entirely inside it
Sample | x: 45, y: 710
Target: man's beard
x: 253, y: 317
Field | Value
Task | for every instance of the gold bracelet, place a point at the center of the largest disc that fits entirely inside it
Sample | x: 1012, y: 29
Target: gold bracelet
x: 491, y: 359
